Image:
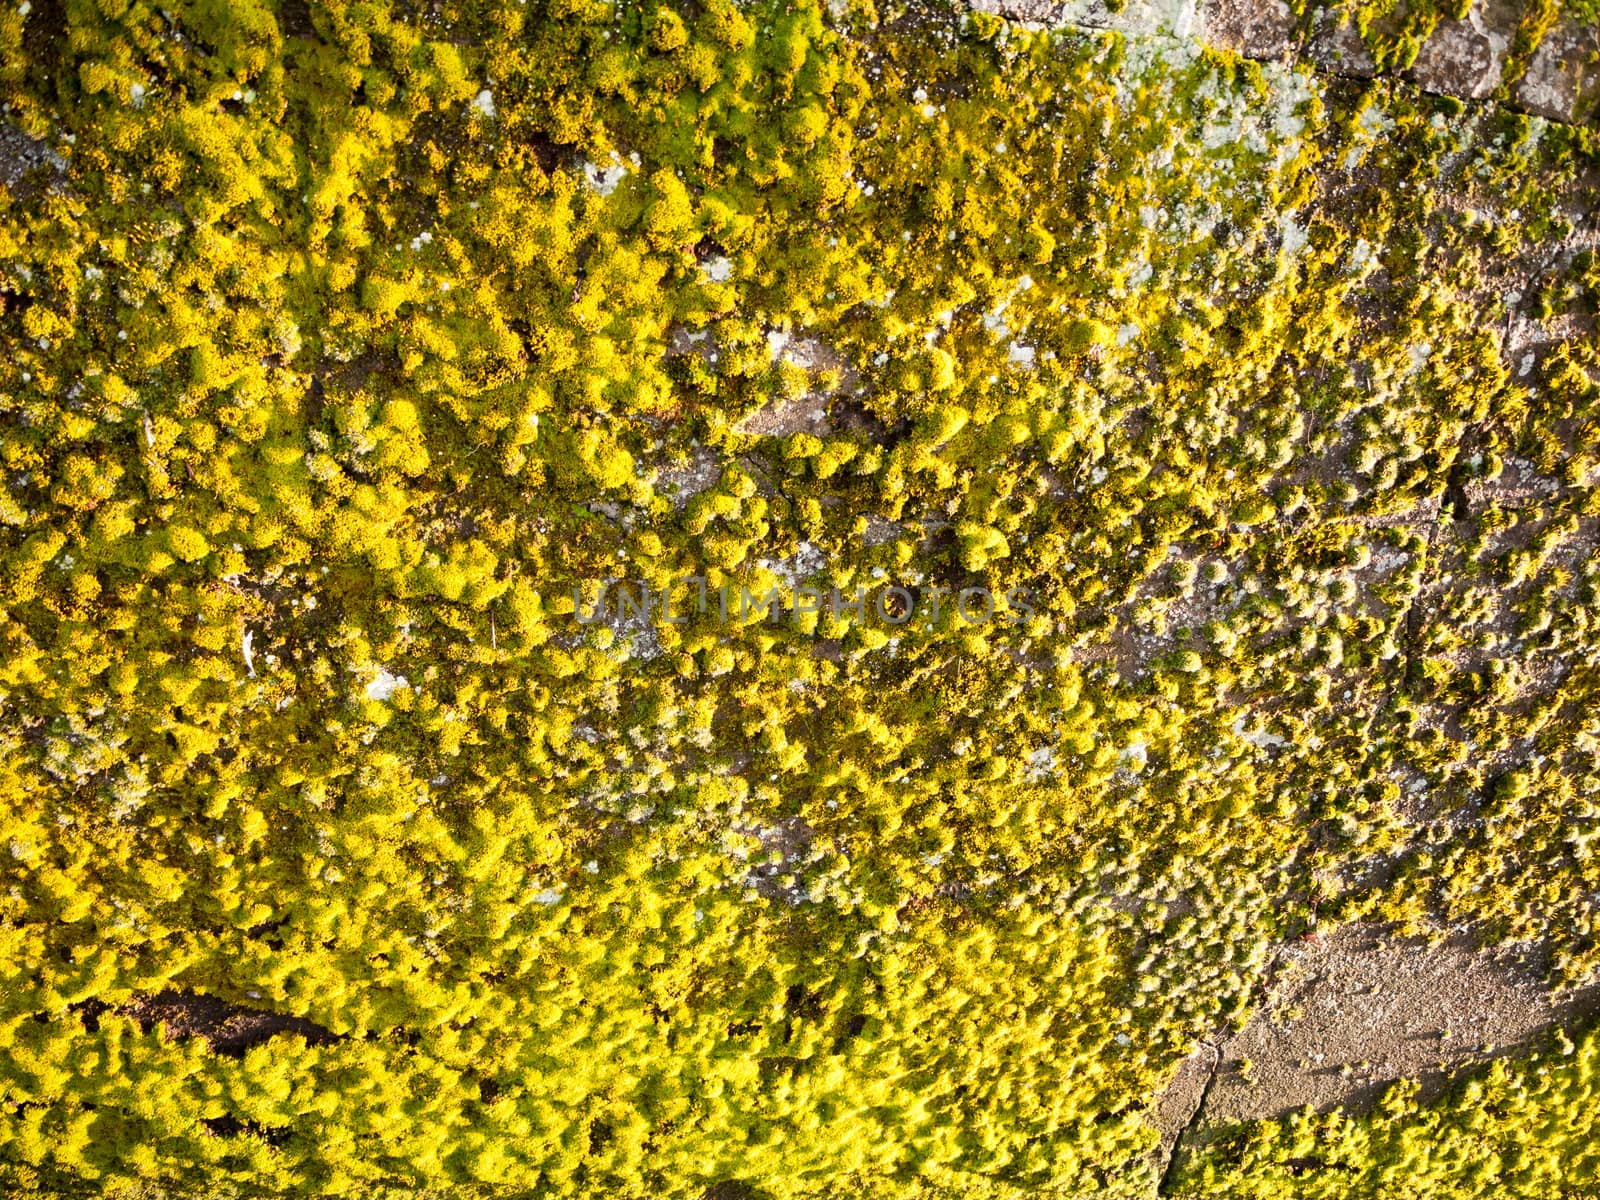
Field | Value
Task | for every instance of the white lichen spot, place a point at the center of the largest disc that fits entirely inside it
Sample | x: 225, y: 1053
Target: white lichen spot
x: 1261, y: 739
x: 805, y: 562
x: 1294, y: 237
x: 385, y: 685
x: 604, y: 180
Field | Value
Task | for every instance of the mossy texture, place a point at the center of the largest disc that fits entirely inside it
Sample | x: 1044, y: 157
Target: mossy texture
x: 344, y: 342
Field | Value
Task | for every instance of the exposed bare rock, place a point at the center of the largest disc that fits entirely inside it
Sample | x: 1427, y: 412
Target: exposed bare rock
x: 1032, y: 12
x: 1175, y: 17
x: 1336, y: 46
x: 681, y: 340
x: 21, y: 155
x: 1260, y: 29
x: 881, y: 531
x: 789, y: 840
x: 1464, y: 58
x: 683, y: 481
x: 782, y: 417
x: 1357, y: 1012
x: 1180, y: 1103
x: 1563, y: 76
x: 807, y: 351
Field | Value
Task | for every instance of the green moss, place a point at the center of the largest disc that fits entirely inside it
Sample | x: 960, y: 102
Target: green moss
x: 1470, y: 1142
x: 358, y: 375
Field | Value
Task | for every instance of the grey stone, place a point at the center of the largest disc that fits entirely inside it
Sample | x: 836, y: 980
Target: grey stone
x: 1464, y: 58
x: 21, y: 154
x: 1168, y: 18
x: 1260, y: 29
x: 1336, y: 46
x: 1135, y: 17
x: 1563, y: 75
x: 1032, y: 12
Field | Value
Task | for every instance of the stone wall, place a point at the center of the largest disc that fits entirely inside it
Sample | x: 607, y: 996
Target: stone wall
x: 1470, y: 59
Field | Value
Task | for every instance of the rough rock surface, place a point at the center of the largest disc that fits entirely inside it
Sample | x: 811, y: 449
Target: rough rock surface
x: 20, y: 155
x: 1357, y: 1013
x: 1029, y: 12
x: 1465, y: 58
x: 1180, y: 1102
x: 1563, y: 75
x: 1260, y: 29
x: 1336, y: 46
x: 1178, y: 18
